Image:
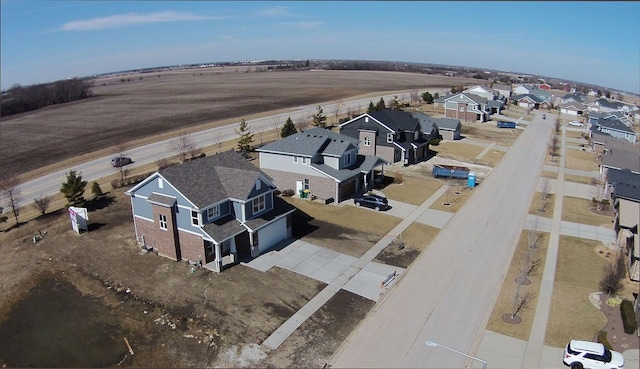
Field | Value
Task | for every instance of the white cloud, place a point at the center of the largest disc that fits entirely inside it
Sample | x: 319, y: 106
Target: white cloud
x: 277, y: 11
x: 302, y: 25
x: 130, y: 19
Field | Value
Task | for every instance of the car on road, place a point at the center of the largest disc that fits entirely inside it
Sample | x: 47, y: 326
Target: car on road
x: 585, y: 354
x: 121, y: 161
x: 544, y: 116
x: 372, y: 201
x: 575, y: 123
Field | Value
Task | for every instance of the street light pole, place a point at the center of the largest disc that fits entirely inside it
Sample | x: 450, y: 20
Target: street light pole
x: 436, y: 344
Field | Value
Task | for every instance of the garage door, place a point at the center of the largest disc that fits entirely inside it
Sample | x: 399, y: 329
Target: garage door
x: 347, y: 189
x: 272, y: 234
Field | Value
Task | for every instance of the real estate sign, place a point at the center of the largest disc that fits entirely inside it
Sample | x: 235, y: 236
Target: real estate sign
x: 79, y: 218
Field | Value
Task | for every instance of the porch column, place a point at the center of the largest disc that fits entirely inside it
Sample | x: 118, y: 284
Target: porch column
x: 218, y: 260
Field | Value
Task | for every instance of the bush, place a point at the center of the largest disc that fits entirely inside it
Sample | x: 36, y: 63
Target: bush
x: 288, y: 192
x: 398, y: 178
x: 602, y: 338
x: 628, y: 317
x: 95, y: 189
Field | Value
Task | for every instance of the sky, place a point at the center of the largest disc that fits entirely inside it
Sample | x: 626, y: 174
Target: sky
x: 591, y: 42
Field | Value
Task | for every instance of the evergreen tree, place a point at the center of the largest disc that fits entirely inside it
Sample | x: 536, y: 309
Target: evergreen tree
x: 288, y: 129
x: 371, y: 107
x: 381, y: 105
x: 427, y: 97
x: 319, y: 118
x: 73, y: 189
x: 96, y: 190
x: 436, y: 96
x: 246, y: 137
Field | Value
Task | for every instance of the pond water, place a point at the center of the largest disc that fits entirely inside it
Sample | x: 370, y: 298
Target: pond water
x: 56, y: 326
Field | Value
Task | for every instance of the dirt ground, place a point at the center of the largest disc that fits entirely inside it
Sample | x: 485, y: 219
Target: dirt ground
x: 154, y: 104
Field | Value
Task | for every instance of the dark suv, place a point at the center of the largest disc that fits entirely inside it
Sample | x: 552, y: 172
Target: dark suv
x: 120, y: 161
x: 372, y: 201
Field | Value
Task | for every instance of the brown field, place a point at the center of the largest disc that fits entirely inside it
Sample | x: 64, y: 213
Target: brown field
x: 153, y: 104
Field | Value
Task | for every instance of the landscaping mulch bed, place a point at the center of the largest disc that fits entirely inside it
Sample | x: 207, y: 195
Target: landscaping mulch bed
x: 619, y: 340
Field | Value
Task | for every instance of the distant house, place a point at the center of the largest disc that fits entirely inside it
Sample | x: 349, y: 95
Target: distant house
x: 449, y: 128
x: 480, y: 91
x: 523, y: 89
x: 603, y: 105
x: 466, y: 107
x: 527, y: 101
x: 594, y: 117
x: 211, y: 211
x: 573, y: 108
x: 603, y: 143
x: 618, y: 159
x: 571, y: 98
x: 394, y: 135
x: 439, y: 102
x: 503, y: 90
x: 544, y: 86
x: 323, y: 163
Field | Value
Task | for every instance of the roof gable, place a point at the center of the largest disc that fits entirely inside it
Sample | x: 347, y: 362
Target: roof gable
x: 397, y: 120
x: 312, y: 142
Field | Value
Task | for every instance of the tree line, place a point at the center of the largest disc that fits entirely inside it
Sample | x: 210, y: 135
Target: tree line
x: 20, y: 99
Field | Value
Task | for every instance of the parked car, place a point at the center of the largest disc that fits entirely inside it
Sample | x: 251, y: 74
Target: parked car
x: 121, y: 161
x: 585, y: 354
x: 575, y: 123
x: 372, y: 201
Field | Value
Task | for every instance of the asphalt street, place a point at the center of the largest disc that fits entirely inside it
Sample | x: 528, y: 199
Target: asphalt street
x: 447, y: 294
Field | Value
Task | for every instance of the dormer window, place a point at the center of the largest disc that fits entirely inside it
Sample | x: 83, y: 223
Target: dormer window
x: 389, y: 137
x: 347, y: 159
x: 367, y: 141
x: 259, y: 204
x: 213, y: 212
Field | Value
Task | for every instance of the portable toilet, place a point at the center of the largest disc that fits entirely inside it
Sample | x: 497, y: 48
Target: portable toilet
x: 471, y: 180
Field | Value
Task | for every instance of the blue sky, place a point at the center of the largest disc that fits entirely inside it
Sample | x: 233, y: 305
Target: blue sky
x: 592, y: 42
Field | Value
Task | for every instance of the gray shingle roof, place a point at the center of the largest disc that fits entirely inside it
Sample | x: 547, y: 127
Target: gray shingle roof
x: 426, y: 122
x: 614, y: 123
x: 622, y: 159
x: 625, y: 183
x: 397, y: 120
x: 312, y: 142
x: 534, y: 98
x: 214, y: 178
x: 363, y: 164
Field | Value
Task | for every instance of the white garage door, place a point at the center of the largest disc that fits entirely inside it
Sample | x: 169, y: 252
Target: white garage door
x: 272, y: 234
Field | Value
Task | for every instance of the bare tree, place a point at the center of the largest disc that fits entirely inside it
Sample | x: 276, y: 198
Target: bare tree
x: 275, y: 124
x: 303, y: 122
x: 162, y: 163
x: 336, y: 111
x: 545, y: 188
x: 520, y: 301
x: 614, y: 271
x: 9, y: 189
x: 414, y: 96
x: 42, y: 204
x: 598, y: 192
x: 120, y: 149
x: 260, y: 130
x: 218, y: 139
x: 182, y: 145
x: 553, y: 147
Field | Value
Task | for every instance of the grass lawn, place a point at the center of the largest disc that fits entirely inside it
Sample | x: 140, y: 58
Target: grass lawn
x: 578, y: 273
x: 416, y: 238
x: 413, y: 191
x: 456, y: 201
x: 457, y: 150
x: 492, y: 157
x: 547, y: 205
x: 577, y: 179
x: 547, y: 174
x: 489, y: 132
x: 575, y: 134
x: 504, y: 302
x: 581, y: 160
x: 576, y: 210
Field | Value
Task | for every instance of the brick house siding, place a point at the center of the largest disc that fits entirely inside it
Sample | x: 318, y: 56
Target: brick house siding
x: 321, y: 187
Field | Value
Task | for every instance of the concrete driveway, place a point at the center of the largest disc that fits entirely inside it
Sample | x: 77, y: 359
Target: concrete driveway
x: 326, y: 265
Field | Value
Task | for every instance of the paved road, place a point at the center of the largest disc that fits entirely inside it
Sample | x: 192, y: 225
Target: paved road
x: 101, y: 167
x: 447, y: 294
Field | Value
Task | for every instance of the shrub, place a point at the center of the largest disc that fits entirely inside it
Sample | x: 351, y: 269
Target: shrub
x: 287, y: 192
x: 628, y: 317
x: 398, y: 178
x: 602, y: 338
x: 95, y: 189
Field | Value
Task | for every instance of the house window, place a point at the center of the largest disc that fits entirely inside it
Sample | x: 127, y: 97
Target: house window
x: 160, y: 183
x: 389, y: 137
x: 214, y: 212
x: 461, y: 108
x: 295, y: 160
x: 305, y: 185
x: 305, y: 161
x: 163, y: 221
x: 259, y: 204
x: 347, y: 159
x: 194, y: 218
x: 367, y: 141
x: 415, y: 135
x: 258, y: 185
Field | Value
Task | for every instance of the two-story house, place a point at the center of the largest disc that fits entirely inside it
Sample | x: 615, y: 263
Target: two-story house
x: 324, y: 163
x: 614, y: 127
x: 211, y: 211
x: 467, y: 107
x: 394, y: 135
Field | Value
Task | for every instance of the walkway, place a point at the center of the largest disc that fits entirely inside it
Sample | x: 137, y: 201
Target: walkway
x: 287, y: 328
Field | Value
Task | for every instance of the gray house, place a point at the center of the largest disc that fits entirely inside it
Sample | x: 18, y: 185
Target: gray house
x: 613, y: 127
x: 449, y: 128
x: 322, y: 162
x: 211, y: 211
x: 394, y: 135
